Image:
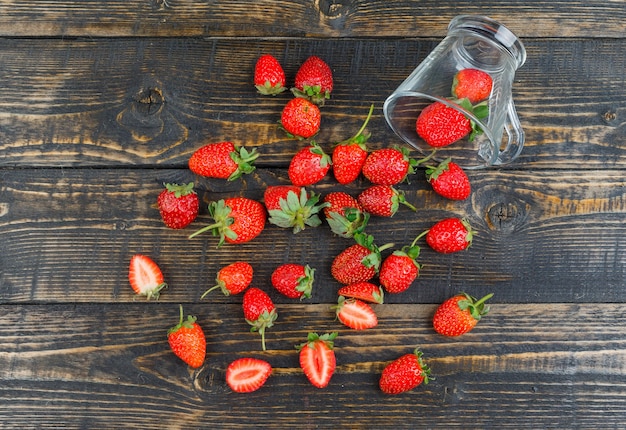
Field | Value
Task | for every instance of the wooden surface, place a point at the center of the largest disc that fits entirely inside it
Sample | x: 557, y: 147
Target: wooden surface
x: 103, y: 101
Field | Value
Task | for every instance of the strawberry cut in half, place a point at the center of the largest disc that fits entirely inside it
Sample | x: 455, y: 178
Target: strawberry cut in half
x: 317, y: 358
x: 355, y: 313
x: 365, y: 291
x: 145, y: 276
x: 247, y: 374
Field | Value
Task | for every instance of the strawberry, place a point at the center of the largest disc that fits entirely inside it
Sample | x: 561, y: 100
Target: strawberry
x: 317, y: 358
x: 293, y: 280
x: 187, y: 341
x: 382, y: 200
x: 233, y: 278
x: 400, y: 269
x: 247, y: 374
x: 349, y: 155
x: 359, y: 262
x: 344, y: 214
x: 222, y: 160
x: 314, y: 80
x: 309, y: 165
x: 365, y: 291
x: 450, y: 235
x: 145, y: 276
x: 459, y: 314
x: 259, y: 311
x: 178, y: 205
x: 441, y: 125
x: 449, y: 180
x: 237, y: 220
x: 388, y: 166
x: 269, y: 76
x: 404, y: 374
x: 291, y: 206
x: 473, y: 84
x: 301, y: 118
x: 355, y: 314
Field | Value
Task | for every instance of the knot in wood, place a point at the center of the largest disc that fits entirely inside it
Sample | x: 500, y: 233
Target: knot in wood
x: 149, y: 102
x: 505, y: 216
x: 331, y: 8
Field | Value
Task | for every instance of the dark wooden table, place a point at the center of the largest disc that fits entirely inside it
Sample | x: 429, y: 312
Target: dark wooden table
x: 101, y: 102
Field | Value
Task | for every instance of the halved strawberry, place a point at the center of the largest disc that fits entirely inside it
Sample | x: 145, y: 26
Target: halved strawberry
x: 365, y: 291
x: 145, y: 276
x: 247, y: 374
x: 317, y: 358
x: 355, y: 313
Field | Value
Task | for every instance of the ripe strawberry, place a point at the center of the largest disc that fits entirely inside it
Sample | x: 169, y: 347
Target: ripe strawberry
x: 441, y: 125
x: 365, y: 291
x: 344, y: 214
x: 269, y: 76
x: 237, y: 220
x: 314, y: 80
x: 247, y: 374
x: 450, y: 235
x: 355, y: 314
x: 145, y: 276
x: 233, y: 278
x: 404, y: 374
x: 291, y: 206
x: 388, y: 166
x: 309, y: 165
x: 473, y: 84
x: 294, y: 280
x: 449, y: 180
x: 222, y: 160
x: 400, y: 269
x: 178, y: 205
x: 459, y: 314
x: 259, y: 311
x: 301, y: 118
x: 349, y: 155
x: 359, y: 262
x: 317, y: 358
x: 382, y: 200
x: 187, y: 341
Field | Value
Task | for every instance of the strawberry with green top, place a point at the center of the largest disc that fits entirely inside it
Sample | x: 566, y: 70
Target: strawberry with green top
x: 269, y: 76
x: 233, y: 278
x: 178, y: 205
x: 294, y: 280
x: 314, y: 81
x: 259, y: 311
x: 349, y: 155
x: 247, y: 374
x: 309, y: 165
x: 222, y: 160
x: 300, y: 118
x: 359, y: 262
x: 317, y: 358
x: 404, y: 374
x: 344, y: 214
x: 400, y: 269
x: 382, y: 200
x: 187, y: 341
x: 472, y: 84
x: 355, y: 313
x: 459, y: 314
x: 449, y: 180
x: 442, y: 125
x: 291, y: 206
x: 388, y: 166
x: 450, y: 235
x: 365, y: 291
x: 145, y: 276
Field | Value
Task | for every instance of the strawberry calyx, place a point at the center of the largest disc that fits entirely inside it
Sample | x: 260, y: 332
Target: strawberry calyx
x: 360, y: 137
x: 180, y: 190
x: 479, y: 110
x: 476, y: 308
x: 313, y: 93
x: 188, y: 323
x: 373, y: 259
x: 425, y: 369
x: 399, y: 198
x: 264, y: 320
x: 316, y: 149
x: 220, y: 213
x: 297, y: 212
x: 244, y: 159
x: 433, y: 172
x: 313, y: 338
x: 348, y: 225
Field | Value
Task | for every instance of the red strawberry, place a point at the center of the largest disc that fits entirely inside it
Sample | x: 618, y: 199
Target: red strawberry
x: 309, y: 165
x: 269, y: 76
x: 301, y: 118
x: 365, y: 291
x: 145, y: 276
x: 355, y: 314
x: 237, y: 220
x: 441, y: 125
x: 473, y: 84
x: 222, y: 160
x: 178, y: 205
x: 187, y: 341
x: 294, y: 280
x: 314, y: 80
x: 404, y: 374
x: 247, y: 374
x: 449, y: 180
x: 359, y: 262
x: 344, y: 214
x: 459, y: 314
x: 450, y: 235
x: 400, y: 269
x: 388, y: 166
x: 382, y: 200
x: 317, y: 358
x: 349, y: 155
x: 233, y: 278
x: 291, y: 206
x: 259, y: 311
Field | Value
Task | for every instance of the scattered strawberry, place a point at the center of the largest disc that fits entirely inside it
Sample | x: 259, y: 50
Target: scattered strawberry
x: 178, y: 205
x: 237, y: 220
x: 291, y: 206
x: 309, y: 165
x: 301, y: 118
x: 400, y: 269
x: 441, y: 125
x: 145, y: 276
x: 344, y: 214
x: 359, y: 262
x: 259, y: 311
x: 314, y: 80
x: 294, y: 280
x: 222, y: 160
x: 472, y: 84
x: 382, y: 200
x: 233, y: 278
x: 269, y: 76
x: 187, y: 341
x: 247, y: 374
x: 450, y: 235
x: 349, y: 155
x: 459, y: 314
x: 449, y: 180
x: 365, y: 291
x: 388, y: 166
x: 404, y: 374
x: 355, y: 314
x: 317, y: 358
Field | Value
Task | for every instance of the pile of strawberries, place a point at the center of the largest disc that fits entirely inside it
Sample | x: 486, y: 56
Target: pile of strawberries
x: 240, y: 219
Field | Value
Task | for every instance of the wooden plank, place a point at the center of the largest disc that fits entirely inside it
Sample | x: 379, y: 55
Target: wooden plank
x: 100, y: 365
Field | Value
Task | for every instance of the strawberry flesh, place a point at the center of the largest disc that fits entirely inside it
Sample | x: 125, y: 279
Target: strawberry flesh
x: 247, y: 374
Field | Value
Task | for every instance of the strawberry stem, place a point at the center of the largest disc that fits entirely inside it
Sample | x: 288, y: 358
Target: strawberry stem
x: 425, y: 159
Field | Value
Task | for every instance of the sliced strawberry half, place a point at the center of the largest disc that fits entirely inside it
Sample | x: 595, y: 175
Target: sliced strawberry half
x: 145, y: 276
x: 247, y: 374
x: 365, y: 291
x: 355, y: 313
x: 317, y: 358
